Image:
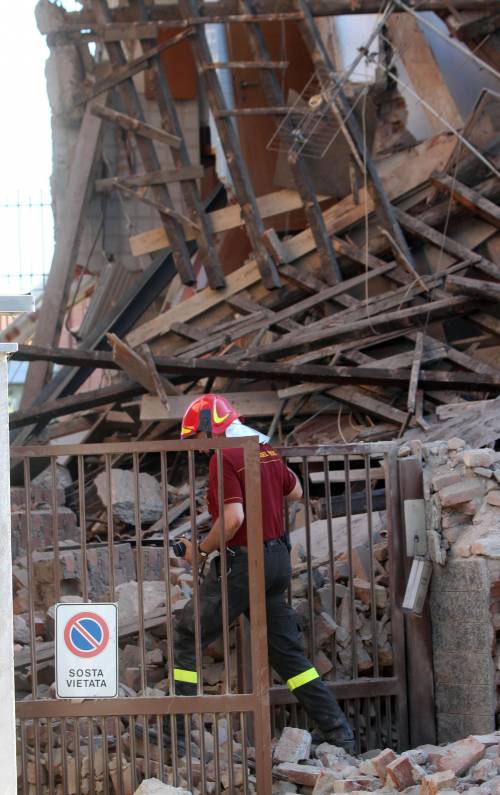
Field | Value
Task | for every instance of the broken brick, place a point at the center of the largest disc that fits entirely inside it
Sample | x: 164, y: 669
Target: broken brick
x: 305, y: 775
x: 400, y: 772
x: 293, y: 745
x: 458, y: 756
x: 430, y: 785
x: 381, y: 761
x: 354, y: 784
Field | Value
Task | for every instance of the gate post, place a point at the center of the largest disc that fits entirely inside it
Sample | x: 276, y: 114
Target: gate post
x: 7, y: 693
x: 9, y: 305
x: 420, y: 675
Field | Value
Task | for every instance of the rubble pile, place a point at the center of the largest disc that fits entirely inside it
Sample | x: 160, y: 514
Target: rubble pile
x: 470, y: 765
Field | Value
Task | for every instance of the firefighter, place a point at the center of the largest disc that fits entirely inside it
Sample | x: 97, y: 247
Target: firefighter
x: 212, y: 415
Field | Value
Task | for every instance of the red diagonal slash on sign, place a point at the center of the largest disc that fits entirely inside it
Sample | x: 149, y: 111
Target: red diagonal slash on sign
x: 88, y: 637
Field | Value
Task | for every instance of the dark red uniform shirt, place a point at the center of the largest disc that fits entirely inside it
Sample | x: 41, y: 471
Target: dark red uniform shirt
x: 276, y: 482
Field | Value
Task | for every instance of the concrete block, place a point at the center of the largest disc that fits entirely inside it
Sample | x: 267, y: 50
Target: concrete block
x: 467, y: 699
x: 453, y: 727
x: 461, y: 575
x: 293, y: 746
x: 472, y: 607
x: 472, y: 636
x: 474, y: 667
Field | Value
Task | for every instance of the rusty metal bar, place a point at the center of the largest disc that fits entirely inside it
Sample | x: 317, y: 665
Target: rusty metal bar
x: 397, y: 585
x: 83, y: 527
x: 348, y: 509
x: 109, y: 498
x: 331, y: 562
x: 258, y: 628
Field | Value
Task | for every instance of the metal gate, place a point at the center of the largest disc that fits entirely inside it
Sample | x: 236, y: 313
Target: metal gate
x: 111, y: 745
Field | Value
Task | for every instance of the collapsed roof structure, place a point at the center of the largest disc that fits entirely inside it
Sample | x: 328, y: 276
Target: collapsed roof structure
x: 275, y: 201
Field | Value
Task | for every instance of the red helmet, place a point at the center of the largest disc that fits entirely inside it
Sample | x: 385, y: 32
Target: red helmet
x: 210, y: 413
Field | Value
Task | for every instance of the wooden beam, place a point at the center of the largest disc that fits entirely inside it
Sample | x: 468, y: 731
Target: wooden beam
x: 152, y: 178
x: 136, y: 126
x: 162, y: 208
x: 135, y: 366
x: 460, y: 285
x: 276, y: 203
x: 129, y: 69
x: 415, y: 372
x: 168, y: 15
x: 469, y: 198
x: 81, y: 402
x: 71, y: 221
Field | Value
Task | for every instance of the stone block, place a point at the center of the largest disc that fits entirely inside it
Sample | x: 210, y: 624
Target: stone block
x: 471, y: 607
x: 484, y: 770
x: 324, y: 783
x: 153, y: 786
x: 472, y: 636
x: 446, y: 479
x: 488, y: 546
x: 432, y: 784
x: 474, y: 667
x: 304, y: 775
x: 493, y: 497
x: 478, y: 458
x: 381, y: 761
x: 454, y: 727
x: 360, y: 783
x: 293, y: 746
x: 466, y: 699
x: 400, y: 773
x: 461, y: 575
x: 461, y: 492
x: 459, y: 756
x: 42, y: 522
x: 456, y: 444
x: 122, y: 495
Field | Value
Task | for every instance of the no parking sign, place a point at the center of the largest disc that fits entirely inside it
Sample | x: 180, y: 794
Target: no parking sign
x: 86, y: 650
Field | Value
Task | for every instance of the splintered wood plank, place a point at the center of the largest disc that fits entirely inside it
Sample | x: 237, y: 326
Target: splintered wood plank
x: 135, y: 366
x: 425, y: 75
x: 282, y: 201
x: 136, y: 126
x: 461, y: 285
x: 415, y: 372
x: 129, y: 69
x: 469, y: 198
x: 152, y: 178
x: 199, y: 303
x: 249, y: 404
x: 71, y: 223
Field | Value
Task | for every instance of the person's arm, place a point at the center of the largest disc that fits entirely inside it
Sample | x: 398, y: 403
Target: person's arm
x: 296, y: 492
x: 233, y: 519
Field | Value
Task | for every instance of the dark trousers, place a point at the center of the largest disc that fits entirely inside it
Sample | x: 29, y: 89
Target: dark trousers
x: 285, y: 652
